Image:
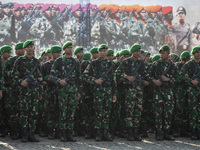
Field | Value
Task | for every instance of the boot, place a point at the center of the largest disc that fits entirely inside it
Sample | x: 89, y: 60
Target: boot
x: 63, y: 136
x: 176, y: 133
x: 198, y: 134
x: 2, y: 131
x: 159, y: 134
x: 130, y: 134
x: 98, y: 135
x: 51, y: 134
x: 87, y: 133
x: 24, y: 135
x: 32, y: 137
x: 42, y: 133
x: 144, y: 134
x: 168, y: 136
x: 136, y: 135
x: 122, y: 134
x: 106, y: 135
x: 185, y: 133
x: 70, y: 136
x: 14, y: 134
x: 194, y: 135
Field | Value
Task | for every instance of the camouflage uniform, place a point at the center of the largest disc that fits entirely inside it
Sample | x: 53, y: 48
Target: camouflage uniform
x: 164, y: 101
x: 5, y: 25
x: 102, y: 94
x: 187, y: 72
x: 67, y: 96
x: 29, y: 98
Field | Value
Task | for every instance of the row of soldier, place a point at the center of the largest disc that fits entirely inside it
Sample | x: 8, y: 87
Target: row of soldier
x: 98, y: 97
x: 51, y: 24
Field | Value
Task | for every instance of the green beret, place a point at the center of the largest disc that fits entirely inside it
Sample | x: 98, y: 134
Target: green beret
x: 164, y: 48
x: 94, y: 50
x: 176, y: 57
x: 142, y: 51
x: 124, y: 52
x: 78, y: 49
x: 185, y: 54
x: 110, y: 51
x: 6, y: 48
x: 5, y: 5
x: 117, y: 54
x: 39, y: 57
x: 195, y: 49
x: 69, y: 43
x: 86, y: 56
x: 27, y: 43
x: 102, y: 46
x: 48, y: 50
x: 151, y: 59
x: 55, y: 49
x: 147, y: 53
x: 135, y: 47
x: 43, y: 52
x: 19, y: 46
x: 156, y: 57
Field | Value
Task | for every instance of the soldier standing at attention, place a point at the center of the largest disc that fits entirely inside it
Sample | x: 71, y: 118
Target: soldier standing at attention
x: 187, y: 73
x: 68, y: 93
x: 182, y: 32
x: 164, y: 101
x: 94, y: 52
x: 30, y: 92
x: 104, y: 93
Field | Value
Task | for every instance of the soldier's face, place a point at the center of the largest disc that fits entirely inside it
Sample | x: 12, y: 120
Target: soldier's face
x: 126, y: 56
x: 57, y: 12
x: 20, y: 52
x: 117, y: 15
x: 95, y: 55
x: 181, y: 16
x: 30, y: 49
x: 136, y: 14
x: 17, y: 13
x: 147, y: 58
x: 142, y: 55
x: 12, y: 10
x: 68, y: 50
x: 152, y: 15
x: 53, y: 11
x: 23, y: 12
x: 6, y: 55
x: 6, y: 10
x: 164, y: 55
x: 159, y: 14
x: 78, y: 55
x: 48, y: 13
x: 136, y: 54
x: 102, y: 53
x: 197, y: 55
x: 104, y: 13
x: 172, y: 58
x: 36, y: 9
x: 143, y: 15
x: 110, y: 57
x: 56, y: 55
x: 29, y: 10
x: 170, y: 16
x: 78, y: 13
x: 92, y: 12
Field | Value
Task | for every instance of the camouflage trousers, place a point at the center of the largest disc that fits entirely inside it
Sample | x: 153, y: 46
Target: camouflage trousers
x: 133, y: 106
x: 164, y: 104
x: 78, y: 119
x: 102, y: 107
x: 28, y: 106
x: 194, y: 108
x: 51, y: 108
x: 67, y: 107
x: 180, y: 112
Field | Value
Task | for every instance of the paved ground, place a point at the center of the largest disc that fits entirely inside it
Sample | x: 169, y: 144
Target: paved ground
x: 117, y: 144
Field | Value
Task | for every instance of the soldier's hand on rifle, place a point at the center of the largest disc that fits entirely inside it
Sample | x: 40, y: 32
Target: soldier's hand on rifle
x: 164, y: 78
x: 78, y: 96
x: 1, y: 94
x: 157, y: 82
x: 130, y: 78
x: 99, y: 81
x: 114, y: 99
x: 63, y: 82
x: 24, y: 83
x: 195, y: 82
x: 146, y: 83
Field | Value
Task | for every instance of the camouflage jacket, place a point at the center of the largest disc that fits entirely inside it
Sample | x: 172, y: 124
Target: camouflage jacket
x: 60, y: 69
x: 98, y: 67
x: 23, y: 66
x: 1, y: 75
x: 159, y: 67
x: 127, y: 67
x: 46, y: 69
x: 189, y: 70
x: 84, y: 65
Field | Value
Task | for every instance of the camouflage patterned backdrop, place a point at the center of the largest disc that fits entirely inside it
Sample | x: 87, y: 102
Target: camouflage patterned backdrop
x: 88, y: 25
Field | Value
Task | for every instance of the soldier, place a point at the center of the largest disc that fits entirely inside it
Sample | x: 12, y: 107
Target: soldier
x: 182, y: 32
x: 30, y: 90
x: 68, y: 93
x: 13, y: 98
x: 51, y: 98
x: 78, y: 52
x: 5, y: 120
x: 110, y: 54
x: 163, y: 74
x: 94, y: 52
x: 104, y: 93
x: 190, y: 74
x: 196, y: 35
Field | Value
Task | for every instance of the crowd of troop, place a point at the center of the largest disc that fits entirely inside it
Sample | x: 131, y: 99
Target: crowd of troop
x: 53, y: 24
x: 98, y: 94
